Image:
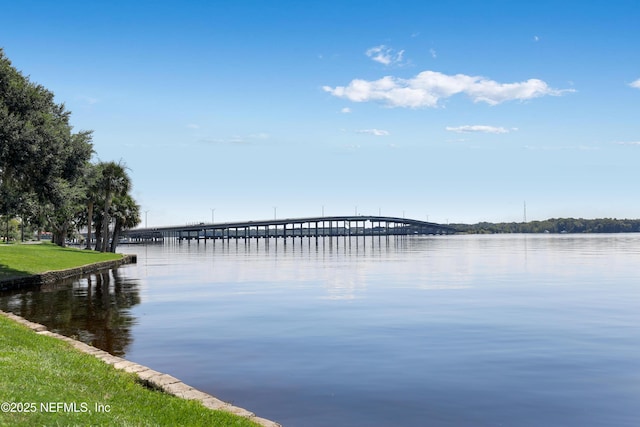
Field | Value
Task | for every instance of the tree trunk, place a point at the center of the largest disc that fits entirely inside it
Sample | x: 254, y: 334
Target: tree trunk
x: 59, y: 235
x: 58, y: 238
x: 116, y: 235
x: 105, y: 223
x: 89, y: 220
x: 98, y: 234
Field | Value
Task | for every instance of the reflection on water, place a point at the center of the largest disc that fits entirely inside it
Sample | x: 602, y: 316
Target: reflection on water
x: 94, y: 309
x: 440, y: 331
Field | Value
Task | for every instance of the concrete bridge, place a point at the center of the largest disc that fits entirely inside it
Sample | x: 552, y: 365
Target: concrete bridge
x: 358, y: 225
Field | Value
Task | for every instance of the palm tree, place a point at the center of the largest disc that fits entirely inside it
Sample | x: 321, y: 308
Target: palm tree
x: 127, y: 215
x: 113, y: 181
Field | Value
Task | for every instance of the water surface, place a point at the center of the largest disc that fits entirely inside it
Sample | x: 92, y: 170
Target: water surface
x: 438, y: 331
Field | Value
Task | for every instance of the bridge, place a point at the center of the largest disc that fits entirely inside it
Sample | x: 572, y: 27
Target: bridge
x: 331, y: 226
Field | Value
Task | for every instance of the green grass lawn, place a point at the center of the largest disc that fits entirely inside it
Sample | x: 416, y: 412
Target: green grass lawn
x: 37, y: 370
x: 26, y: 259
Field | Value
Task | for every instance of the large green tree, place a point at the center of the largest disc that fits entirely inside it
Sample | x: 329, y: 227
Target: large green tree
x: 35, y: 135
x: 45, y: 170
x: 67, y: 192
x: 40, y: 156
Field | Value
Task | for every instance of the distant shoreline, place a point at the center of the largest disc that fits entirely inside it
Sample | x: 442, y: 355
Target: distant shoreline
x: 554, y: 225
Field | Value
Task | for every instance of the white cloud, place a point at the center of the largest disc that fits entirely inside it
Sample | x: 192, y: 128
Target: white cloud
x: 210, y: 140
x: 261, y: 135
x: 384, y: 55
x: 375, y: 132
x: 478, y: 128
x: 429, y: 87
x: 433, y: 53
x: 193, y: 126
x: 536, y: 38
x: 345, y: 110
x: 635, y: 84
x: 350, y: 148
x: 236, y: 139
x: 560, y: 148
x: 628, y: 143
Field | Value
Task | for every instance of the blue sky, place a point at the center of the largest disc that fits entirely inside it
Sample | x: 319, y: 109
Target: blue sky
x: 458, y: 111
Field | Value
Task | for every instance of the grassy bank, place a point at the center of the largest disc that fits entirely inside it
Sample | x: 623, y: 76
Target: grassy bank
x: 43, y: 381
x: 26, y: 259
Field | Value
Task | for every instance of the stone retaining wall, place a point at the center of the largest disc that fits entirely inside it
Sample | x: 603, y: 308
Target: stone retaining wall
x: 50, y: 277
x: 149, y: 377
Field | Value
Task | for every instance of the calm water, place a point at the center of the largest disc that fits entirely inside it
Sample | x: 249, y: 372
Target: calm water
x: 433, y: 331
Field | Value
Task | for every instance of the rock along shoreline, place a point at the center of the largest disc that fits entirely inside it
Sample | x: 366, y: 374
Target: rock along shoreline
x: 147, y: 376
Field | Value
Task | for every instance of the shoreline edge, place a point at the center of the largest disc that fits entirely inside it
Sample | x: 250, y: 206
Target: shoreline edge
x: 146, y: 376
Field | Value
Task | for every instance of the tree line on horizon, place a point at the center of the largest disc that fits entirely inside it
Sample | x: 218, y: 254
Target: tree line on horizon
x: 47, y: 179
x: 554, y: 225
